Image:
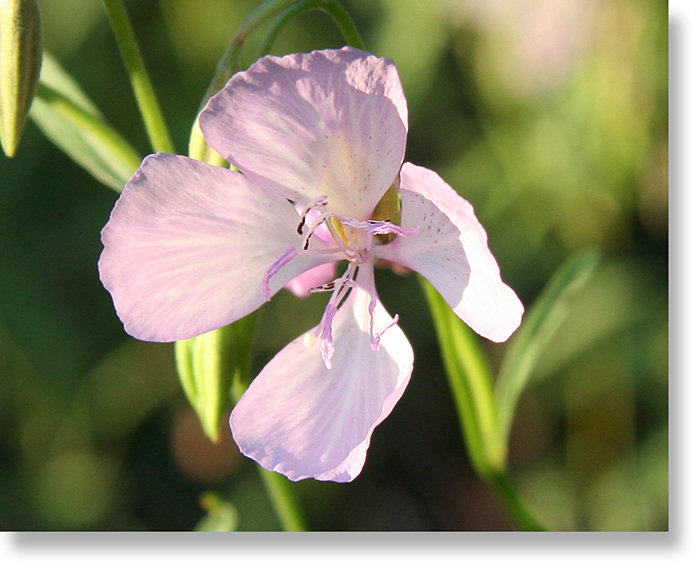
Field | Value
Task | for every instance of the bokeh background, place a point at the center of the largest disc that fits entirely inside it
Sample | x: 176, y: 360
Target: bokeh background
x: 550, y: 116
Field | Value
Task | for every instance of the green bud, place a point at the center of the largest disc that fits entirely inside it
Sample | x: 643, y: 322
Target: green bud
x: 206, y: 370
x: 211, y: 368
x: 221, y: 515
x: 20, y: 64
x: 388, y: 209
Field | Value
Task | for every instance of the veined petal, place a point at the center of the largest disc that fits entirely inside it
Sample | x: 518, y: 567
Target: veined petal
x: 188, y: 245
x: 451, y: 251
x: 328, y: 123
x: 304, y: 420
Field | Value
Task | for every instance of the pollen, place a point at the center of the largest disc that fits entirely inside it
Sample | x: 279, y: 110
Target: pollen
x: 309, y: 340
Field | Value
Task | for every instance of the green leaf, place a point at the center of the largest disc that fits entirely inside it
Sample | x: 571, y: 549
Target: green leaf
x: 471, y: 384
x: 220, y: 516
x: 540, y: 324
x: 72, y: 122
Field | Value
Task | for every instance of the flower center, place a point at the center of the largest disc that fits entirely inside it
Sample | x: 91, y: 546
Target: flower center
x: 355, y: 240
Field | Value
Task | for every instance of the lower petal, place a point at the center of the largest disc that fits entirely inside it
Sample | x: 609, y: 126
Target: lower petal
x: 304, y: 420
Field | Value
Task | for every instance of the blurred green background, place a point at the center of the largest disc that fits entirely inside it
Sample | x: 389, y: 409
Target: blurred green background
x: 550, y: 116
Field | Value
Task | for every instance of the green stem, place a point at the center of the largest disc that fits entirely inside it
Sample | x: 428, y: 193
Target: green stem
x: 283, y: 500
x: 471, y: 384
x: 112, y: 161
x: 525, y: 521
x: 244, y: 330
x: 333, y: 8
x: 230, y: 61
x: 228, y: 64
x: 156, y: 127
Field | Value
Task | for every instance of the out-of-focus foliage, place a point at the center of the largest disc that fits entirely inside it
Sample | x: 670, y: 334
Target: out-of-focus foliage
x: 549, y: 116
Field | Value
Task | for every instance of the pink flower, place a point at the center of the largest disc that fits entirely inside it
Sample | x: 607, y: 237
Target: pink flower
x: 319, y: 139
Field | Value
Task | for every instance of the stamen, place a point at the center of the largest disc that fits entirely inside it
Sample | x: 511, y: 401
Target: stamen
x: 379, y: 227
x: 324, y: 287
x: 287, y: 256
x: 319, y: 203
x: 313, y: 227
x: 324, y: 332
x: 375, y: 338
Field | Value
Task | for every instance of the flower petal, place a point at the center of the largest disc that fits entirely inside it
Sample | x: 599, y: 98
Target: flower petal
x: 451, y: 251
x: 304, y: 420
x: 328, y: 123
x: 317, y: 276
x: 188, y: 245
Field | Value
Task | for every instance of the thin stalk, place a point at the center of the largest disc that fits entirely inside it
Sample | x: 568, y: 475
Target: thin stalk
x: 471, y: 384
x: 230, y: 61
x: 283, y: 500
x: 228, y: 64
x: 333, y: 8
x: 146, y: 100
x: 522, y: 517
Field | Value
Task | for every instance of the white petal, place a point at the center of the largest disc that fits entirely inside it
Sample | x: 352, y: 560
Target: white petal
x: 451, y: 251
x: 306, y: 421
x: 323, y: 123
x: 187, y: 246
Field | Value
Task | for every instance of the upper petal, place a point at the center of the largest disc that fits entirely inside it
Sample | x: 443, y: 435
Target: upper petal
x: 306, y: 421
x: 451, y: 251
x: 328, y: 122
x: 187, y: 247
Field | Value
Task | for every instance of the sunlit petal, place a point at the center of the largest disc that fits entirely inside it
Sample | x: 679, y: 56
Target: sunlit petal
x: 188, y: 245
x: 328, y: 123
x: 451, y: 251
x: 304, y: 420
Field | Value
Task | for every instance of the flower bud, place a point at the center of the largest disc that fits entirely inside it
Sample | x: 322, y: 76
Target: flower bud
x: 206, y: 367
x: 388, y: 209
x: 20, y: 64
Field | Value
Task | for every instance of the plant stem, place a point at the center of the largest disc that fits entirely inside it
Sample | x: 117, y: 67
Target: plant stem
x: 522, y: 517
x: 472, y: 389
x: 146, y: 100
x: 230, y: 61
x: 333, y: 8
x: 228, y: 64
x: 283, y: 500
x: 470, y: 382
